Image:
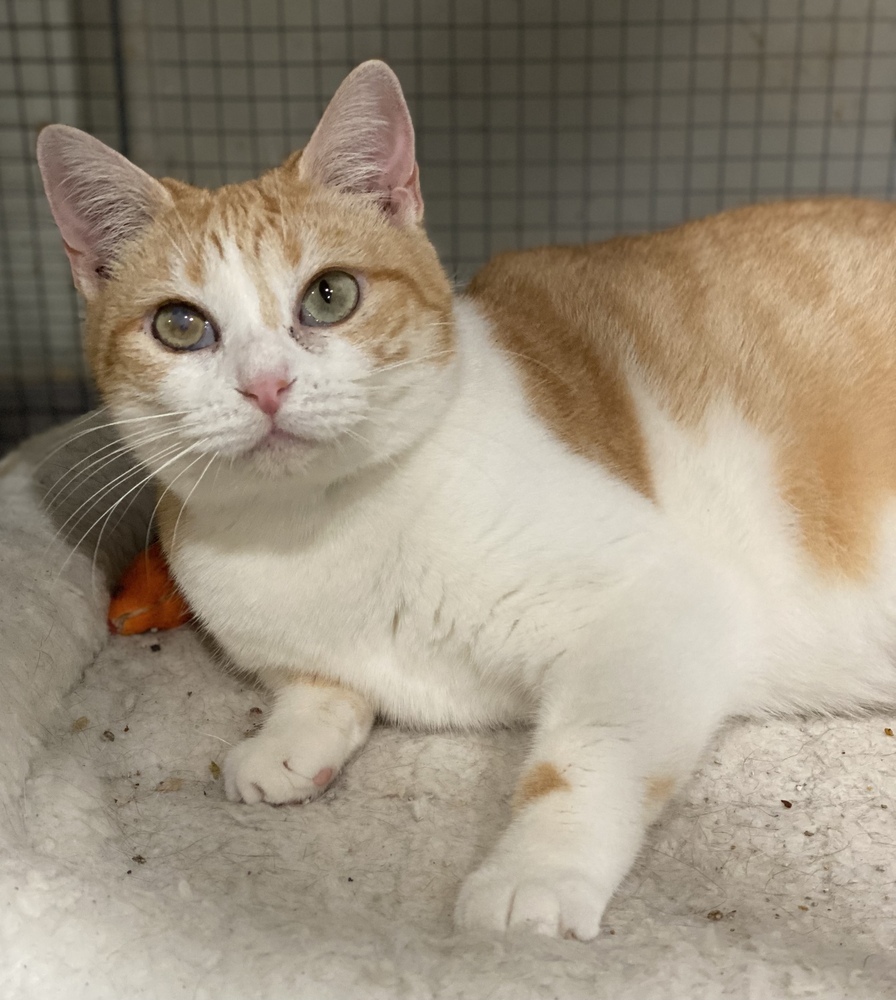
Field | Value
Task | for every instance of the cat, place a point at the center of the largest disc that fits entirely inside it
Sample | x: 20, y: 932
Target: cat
x: 620, y: 492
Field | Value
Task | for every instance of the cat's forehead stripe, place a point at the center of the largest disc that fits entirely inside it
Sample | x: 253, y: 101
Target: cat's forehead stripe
x: 239, y: 228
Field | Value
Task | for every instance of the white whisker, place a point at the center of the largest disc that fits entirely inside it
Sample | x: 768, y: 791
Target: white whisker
x: 103, y: 462
x: 541, y: 364
x: 155, y: 509
x: 123, y: 497
x: 401, y: 364
x: 108, y: 487
x: 162, y: 496
x: 412, y: 361
x: 183, y: 506
x: 101, y: 427
x: 118, y: 445
x: 220, y: 739
x: 363, y: 440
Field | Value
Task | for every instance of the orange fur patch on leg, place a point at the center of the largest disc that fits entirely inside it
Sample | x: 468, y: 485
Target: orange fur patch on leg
x: 540, y: 780
x: 279, y: 679
x: 659, y: 790
x: 361, y: 706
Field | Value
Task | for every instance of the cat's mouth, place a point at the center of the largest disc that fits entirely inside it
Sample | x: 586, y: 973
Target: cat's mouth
x: 278, y: 439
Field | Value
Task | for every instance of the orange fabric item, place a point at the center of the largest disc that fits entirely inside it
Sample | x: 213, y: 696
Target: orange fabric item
x: 146, y: 597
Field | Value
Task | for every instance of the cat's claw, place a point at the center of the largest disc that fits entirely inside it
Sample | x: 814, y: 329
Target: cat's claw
x: 557, y: 902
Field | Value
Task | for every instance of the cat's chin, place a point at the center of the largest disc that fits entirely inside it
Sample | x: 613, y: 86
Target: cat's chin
x: 282, y: 454
x: 277, y: 453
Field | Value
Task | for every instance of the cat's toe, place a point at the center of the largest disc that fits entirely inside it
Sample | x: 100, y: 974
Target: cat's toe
x: 557, y: 903
x: 483, y: 903
x: 568, y: 906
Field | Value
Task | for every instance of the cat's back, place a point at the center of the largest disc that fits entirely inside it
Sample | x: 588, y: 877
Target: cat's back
x: 783, y: 314
x: 757, y: 291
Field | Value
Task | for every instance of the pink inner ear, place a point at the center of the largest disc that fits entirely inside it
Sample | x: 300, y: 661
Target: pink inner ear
x: 365, y: 143
x: 99, y: 200
x: 399, y: 189
x: 406, y: 202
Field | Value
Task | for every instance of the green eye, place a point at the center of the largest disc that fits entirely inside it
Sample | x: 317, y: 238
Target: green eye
x: 329, y: 299
x: 183, y: 327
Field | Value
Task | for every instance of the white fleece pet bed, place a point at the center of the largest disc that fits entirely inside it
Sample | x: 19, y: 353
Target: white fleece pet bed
x: 125, y: 873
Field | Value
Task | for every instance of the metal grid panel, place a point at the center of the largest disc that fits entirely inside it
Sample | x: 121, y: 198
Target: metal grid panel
x: 537, y: 120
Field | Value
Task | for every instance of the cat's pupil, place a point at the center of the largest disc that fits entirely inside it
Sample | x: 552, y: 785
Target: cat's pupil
x: 182, y: 319
x: 325, y: 290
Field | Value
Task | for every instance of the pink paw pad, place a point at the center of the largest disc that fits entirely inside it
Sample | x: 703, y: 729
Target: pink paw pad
x: 323, y: 777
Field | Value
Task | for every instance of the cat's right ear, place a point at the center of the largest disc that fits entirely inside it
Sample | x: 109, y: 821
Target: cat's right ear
x: 98, y: 198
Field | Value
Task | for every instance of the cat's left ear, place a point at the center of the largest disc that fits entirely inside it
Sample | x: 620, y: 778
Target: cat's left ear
x: 365, y: 143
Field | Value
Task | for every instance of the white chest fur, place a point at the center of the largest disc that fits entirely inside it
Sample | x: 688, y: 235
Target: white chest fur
x: 441, y: 587
x: 444, y: 585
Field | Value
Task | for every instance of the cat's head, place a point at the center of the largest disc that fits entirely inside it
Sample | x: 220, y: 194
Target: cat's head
x: 297, y: 323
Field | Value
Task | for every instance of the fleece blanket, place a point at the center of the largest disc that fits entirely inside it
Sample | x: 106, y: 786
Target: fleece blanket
x: 124, y: 872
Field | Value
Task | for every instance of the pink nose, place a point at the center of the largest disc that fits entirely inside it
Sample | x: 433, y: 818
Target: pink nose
x: 267, y: 392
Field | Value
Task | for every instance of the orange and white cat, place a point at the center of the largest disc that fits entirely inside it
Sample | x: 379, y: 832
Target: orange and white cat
x: 620, y: 492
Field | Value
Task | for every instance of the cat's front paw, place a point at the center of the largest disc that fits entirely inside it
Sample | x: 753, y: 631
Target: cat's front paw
x: 291, y: 761
x: 542, y: 898
x: 313, y: 729
x: 281, y: 768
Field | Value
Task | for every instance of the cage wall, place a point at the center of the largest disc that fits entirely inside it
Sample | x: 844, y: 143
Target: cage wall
x: 537, y: 121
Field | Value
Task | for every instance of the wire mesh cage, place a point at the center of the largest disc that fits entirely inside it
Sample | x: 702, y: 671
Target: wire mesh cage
x: 537, y: 121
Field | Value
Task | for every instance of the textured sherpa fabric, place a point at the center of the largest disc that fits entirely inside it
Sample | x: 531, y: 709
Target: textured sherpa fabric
x: 124, y: 872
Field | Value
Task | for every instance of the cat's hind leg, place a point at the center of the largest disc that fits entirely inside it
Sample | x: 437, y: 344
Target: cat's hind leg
x: 314, y: 728
x: 624, y: 718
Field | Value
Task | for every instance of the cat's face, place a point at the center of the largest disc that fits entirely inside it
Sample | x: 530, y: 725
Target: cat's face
x: 220, y: 316
x: 298, y: 323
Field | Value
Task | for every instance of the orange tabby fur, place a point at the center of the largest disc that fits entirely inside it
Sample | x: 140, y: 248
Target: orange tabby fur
x: 739, y: 306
